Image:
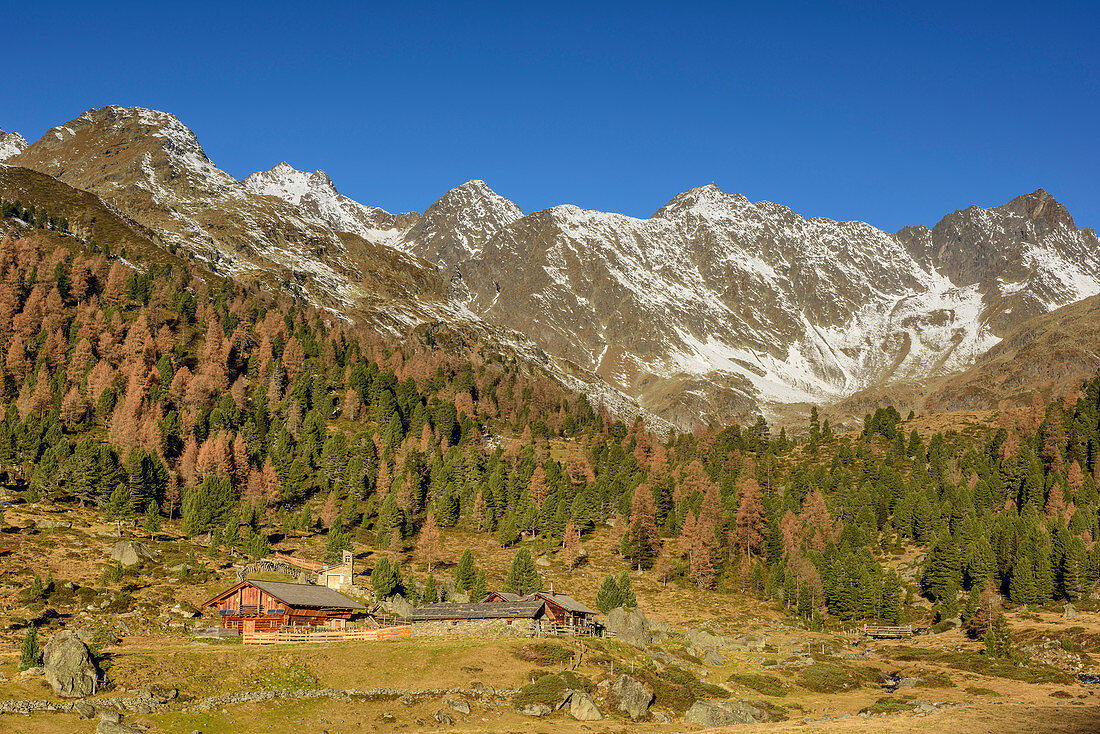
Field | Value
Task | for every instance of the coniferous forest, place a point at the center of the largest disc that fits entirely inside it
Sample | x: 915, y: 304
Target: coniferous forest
x: 159, y: 394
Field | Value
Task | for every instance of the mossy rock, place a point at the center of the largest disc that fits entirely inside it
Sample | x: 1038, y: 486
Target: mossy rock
x: 888, y: 705
x: 675, y: 688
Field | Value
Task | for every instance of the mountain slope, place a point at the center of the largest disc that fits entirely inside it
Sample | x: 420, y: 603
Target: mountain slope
x: 152, y: 167
x: 89, y: 217
x: 715, y: 304
x: 1052, y: 353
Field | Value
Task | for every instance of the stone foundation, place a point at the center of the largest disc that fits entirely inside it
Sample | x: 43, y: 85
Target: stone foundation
x: 476, y: 628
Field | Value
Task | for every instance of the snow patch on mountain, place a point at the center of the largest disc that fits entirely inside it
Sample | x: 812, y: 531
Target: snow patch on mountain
x: 316, y: 195
x: 11, y: 144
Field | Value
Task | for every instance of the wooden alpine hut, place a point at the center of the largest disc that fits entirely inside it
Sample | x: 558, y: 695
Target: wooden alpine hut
x: 253, y: 605
x: 563, y: 614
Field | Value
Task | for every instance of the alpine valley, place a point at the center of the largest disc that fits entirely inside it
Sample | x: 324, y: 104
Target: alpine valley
x: 713, y: 309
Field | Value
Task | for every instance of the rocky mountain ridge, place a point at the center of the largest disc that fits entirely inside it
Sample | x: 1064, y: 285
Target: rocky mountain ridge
x: 709, y: 310
x: 11, y: 144
x: 716, y: 302
x: 315, y: 194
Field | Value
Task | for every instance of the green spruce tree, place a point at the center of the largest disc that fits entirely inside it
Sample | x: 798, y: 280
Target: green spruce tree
x: 608, y: 597
x: 626, y: 592
x: 29, y: 655
x: 523, y: 577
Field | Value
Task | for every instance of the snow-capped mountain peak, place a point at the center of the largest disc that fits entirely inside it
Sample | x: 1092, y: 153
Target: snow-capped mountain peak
x: 709, y: 309
x: 11, y: 144
x: 459, y: 223
x: 316, y: 195
x: 290, y: 184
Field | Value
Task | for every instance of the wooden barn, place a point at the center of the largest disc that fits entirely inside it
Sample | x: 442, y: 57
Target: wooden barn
x: 254, y: 605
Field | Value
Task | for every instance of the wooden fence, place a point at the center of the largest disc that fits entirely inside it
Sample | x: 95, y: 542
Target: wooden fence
x: 882, y: 631
x: 291, y: 635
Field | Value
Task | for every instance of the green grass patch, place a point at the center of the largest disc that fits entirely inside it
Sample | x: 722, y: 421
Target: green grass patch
x: 293, y: 677
x: 1027, y: 671
x: 888, y: 705
x: 977, y: 691
x: 766, y: 685
x: 823, y: 678
x: 935, y: 680
x: 543, y: 653
x: 550, y: 689
x: 1069, y: 644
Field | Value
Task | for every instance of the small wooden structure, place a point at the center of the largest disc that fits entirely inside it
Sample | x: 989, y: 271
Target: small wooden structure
x: 884, y: 631
x: 337, y: 575
x: 564, y: 614
x: 253, y: 605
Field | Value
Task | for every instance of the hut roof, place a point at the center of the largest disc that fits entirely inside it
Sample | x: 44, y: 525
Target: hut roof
x: 566, y: 602
x: 298, y: 595
x: 479, y: 610
x: 504, y: 595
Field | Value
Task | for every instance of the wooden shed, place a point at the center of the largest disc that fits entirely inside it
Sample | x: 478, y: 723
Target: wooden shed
x: 254, y: 605
x: 564, y: 614
x: 567, y: 614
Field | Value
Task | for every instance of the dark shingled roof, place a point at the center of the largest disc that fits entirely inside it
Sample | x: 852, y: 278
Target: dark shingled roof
x: 504, y: 595
x: 566, y: 602
x: 479, y: 610
x: 306, y: 595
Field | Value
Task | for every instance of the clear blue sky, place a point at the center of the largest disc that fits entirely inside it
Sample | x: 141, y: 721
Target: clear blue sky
x: 895, y: 115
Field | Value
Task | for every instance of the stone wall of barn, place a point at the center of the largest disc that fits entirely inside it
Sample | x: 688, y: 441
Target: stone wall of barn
x: 475, y: 628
